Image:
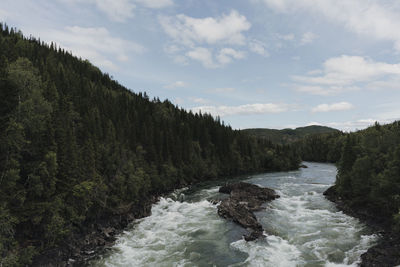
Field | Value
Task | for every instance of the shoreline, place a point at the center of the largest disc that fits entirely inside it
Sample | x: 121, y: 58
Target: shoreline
x: 386, y: 252
x: 80, y: 247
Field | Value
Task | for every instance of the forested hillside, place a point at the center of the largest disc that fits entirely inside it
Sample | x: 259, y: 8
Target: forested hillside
x: 324, y: 147
x: 368, y: 164
x: 369, y: 172
x: 288, y: 136
x: 76, y: 146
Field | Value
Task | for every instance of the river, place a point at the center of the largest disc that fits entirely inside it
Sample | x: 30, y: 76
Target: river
x: 302, y: 228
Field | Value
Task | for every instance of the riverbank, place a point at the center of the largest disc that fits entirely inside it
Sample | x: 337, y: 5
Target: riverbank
x: 386, y: 253
x: 86, y: 244
x: 302, y: 228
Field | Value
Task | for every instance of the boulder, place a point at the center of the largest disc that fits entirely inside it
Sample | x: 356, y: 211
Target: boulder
x: 244, y: 199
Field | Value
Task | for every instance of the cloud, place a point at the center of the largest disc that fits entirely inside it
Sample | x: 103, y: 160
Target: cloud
x: 345, y: 73
x: 308, y: 38
x: 226, y: 29
x: 203, y: 55
x: 258, y: 48
x: 286, y: 37
x: 349, y: 69
x: 324, y: 90
x: 155, y: 3
x: 95, y: 44
x: 248, y: 109
x: 341, y: 106
x: 226, y: 55
x: 199, y: 100
x: 368, y: 18
x: 206, y: 39
x: 176, y: 84
x: 393, y: 83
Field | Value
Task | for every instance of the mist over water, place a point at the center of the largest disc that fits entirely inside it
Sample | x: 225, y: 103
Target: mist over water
x: 302, y: 228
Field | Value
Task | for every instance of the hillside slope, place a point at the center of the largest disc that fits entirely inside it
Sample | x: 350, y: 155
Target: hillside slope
x: 77, y: 148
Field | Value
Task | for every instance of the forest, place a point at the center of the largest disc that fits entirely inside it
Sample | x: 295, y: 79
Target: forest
x: 368, y: 163
x: 76, y: 147
x: 288, y: 136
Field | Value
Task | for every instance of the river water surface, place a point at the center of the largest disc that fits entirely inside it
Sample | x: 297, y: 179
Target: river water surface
x: 302, y: 228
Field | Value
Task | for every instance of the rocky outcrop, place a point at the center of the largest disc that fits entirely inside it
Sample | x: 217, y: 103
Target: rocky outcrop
x: 80, y: 247
x: 244, y: 199
x: 386, y: 253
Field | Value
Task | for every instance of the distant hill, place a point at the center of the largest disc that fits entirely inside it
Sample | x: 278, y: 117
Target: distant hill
x: 287, y: 136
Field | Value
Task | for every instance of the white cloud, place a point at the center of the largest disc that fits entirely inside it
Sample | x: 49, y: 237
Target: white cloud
x: 308, y: 38
x: 370, y: 18
x: 205, y: 39
x: 226, y: 55
x: 199, y: 100
x: 226, y: 29
x: 202, y: 55
x: 345, y: 73
x: 177, y: 84
x: 155, y: 3
x: 205, y: 56
x: 172, y: 49
x: 286, y: 37
x: 248, y: 109
x: 324, y: 90
x: 258, y: 48
x: 393, y: 83
x: 341, y: 106
x: 95, y: 44
x: 314, y: 72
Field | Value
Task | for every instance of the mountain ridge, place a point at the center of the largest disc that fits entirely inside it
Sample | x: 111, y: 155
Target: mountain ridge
x: 288, y: 135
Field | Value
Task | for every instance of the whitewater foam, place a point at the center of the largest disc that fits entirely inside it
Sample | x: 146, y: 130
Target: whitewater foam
x: 302, y: 228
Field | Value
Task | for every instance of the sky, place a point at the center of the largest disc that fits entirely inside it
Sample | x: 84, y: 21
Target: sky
x: 255, y: 63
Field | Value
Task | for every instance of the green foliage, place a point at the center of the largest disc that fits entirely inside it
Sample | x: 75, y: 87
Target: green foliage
x: 76, y: 147
x: 369, y: 172
x: 368, y: 167
x: 321, y: 147
x: 288, y: 136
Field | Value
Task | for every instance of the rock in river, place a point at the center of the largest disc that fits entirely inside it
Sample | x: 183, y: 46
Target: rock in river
x: 244, y: 199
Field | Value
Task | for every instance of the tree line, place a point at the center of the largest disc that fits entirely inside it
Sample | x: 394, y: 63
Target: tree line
x: 368, y: 163
x: 76, y: 146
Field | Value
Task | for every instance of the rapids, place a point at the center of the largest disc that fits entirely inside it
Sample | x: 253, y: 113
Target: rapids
x: 302, y: 228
